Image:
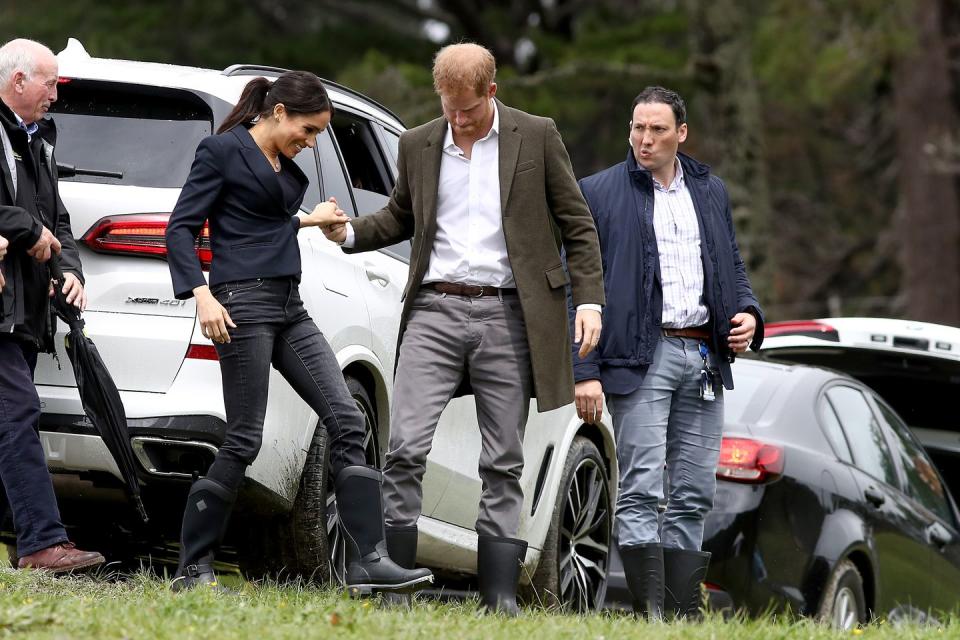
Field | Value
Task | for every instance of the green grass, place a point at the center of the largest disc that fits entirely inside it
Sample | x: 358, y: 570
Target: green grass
x: 33, y: 605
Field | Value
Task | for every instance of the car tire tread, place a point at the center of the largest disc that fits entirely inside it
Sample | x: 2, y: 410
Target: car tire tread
x: 845, y: 575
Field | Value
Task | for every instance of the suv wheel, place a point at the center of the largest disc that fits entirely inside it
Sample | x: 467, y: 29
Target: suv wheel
x: 307, y: 543
x: 572, y: 573
x: 843, y: 606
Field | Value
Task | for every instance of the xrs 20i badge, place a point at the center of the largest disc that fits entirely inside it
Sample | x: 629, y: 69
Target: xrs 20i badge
x: 170, y: 302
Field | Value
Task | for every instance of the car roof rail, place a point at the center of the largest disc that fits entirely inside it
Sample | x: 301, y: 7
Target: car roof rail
x: 253, y: 70
x: 272, y: 72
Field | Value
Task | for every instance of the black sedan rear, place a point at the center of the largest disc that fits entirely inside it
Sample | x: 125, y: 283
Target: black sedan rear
x: 826, y: 504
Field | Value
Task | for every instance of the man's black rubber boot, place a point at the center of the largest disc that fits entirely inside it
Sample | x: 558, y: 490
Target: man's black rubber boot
x: 643, y: 570
x: 369, y: 566
x: 684, y: 571
x: 499, y: 561
x: 402, y: 547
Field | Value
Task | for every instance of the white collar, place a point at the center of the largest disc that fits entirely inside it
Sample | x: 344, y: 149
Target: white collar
x: 448, y: 142
x: 677, y: 178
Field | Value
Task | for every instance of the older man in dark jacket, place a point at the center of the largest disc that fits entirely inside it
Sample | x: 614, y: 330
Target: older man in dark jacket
x: 679, y: 306
x: 35, y: 223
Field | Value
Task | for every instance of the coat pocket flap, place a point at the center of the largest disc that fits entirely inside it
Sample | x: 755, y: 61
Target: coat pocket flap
x: 557, y: 277
x: 526, y: 166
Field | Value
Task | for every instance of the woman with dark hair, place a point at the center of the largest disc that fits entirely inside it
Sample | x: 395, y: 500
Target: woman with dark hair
x: 245, y: 183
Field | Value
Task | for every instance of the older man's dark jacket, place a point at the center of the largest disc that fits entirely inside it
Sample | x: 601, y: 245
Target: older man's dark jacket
x: 621, y: 200
x: 24, y: 210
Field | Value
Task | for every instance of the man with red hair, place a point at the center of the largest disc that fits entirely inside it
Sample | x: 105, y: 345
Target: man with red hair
x: 482, y: 191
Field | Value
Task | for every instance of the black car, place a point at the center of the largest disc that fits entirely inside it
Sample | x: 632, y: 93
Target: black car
x: 827, y: 505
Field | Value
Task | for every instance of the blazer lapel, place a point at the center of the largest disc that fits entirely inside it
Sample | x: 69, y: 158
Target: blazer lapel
x: 430, y: 158
x: 259, y: 166
x: 509, y: 145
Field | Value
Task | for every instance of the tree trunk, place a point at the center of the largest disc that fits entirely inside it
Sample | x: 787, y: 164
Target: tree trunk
x: 929, y: 210
x: 730, y: 109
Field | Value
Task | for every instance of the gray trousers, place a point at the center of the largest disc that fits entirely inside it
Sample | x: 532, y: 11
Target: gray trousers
x: 447, y: 337
x: 665, y: 422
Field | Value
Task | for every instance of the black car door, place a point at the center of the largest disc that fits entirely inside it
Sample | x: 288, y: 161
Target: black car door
x: 925, y: 488
x: 895, y: 530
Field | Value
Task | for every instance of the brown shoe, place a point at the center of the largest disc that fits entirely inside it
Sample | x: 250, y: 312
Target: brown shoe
x: 61, y: 558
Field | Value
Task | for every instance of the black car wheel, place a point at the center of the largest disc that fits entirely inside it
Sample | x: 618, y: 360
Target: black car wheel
x: 843, y: 605
x: 307, y: 543
x: 572, y: 573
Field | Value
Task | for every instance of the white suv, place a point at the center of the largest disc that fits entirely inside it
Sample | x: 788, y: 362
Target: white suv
x: 143, y: 121
x: 915, y: 366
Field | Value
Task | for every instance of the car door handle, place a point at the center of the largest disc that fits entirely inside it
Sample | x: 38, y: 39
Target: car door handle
x: 938, y: 535
x: 874, y: 496
x: 376, y: 275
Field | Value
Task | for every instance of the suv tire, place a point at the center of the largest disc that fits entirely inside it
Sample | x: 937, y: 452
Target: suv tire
x: 572, y: 573
x: 306, y: 543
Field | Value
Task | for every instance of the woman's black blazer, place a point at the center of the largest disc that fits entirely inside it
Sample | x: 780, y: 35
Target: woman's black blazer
x: 253, y: 234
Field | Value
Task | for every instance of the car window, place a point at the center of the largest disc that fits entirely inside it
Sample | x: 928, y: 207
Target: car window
x: 915, y: 385
x: 392, y: 140
x: 365, y: 167
x: 370, y: 180
x: 307, y: 161
x: 869, y: 447
x: 923, y: 482
x: 148, y: 135
x: 834, y: 432
x: 333, y: 182
x: 745, y: 397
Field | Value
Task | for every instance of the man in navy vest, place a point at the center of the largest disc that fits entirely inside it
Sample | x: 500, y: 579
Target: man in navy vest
x: 679, y: 306
x: 36, y: 225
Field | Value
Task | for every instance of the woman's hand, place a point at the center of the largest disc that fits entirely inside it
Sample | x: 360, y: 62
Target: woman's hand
x: 325, y: 215
x: 214, y: 319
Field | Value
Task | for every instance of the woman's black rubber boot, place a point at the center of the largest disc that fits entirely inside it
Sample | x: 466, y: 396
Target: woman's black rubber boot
x: 205, y: 521
x: 369, y: 566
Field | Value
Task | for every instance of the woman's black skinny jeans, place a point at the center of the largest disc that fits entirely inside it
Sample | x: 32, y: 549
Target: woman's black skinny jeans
x: 274, y: 328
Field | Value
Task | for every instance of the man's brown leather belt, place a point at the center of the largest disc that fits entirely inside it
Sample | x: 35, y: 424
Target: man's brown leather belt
x: 700, y: 333
x: 469, y: 290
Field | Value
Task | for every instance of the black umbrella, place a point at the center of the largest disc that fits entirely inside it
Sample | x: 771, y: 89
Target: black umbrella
x: 98, y: 393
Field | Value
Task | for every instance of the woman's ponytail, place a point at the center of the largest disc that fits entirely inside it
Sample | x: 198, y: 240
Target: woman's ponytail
x: 299, y: 92
x: 251, y: 104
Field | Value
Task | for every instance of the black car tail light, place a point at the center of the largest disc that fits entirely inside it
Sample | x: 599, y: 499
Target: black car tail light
x: 808, y: 328
x: 140, y: 234
x: 749, y: 461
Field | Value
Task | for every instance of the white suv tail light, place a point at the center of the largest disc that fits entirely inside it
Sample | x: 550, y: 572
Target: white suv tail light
x: 140, y: 234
